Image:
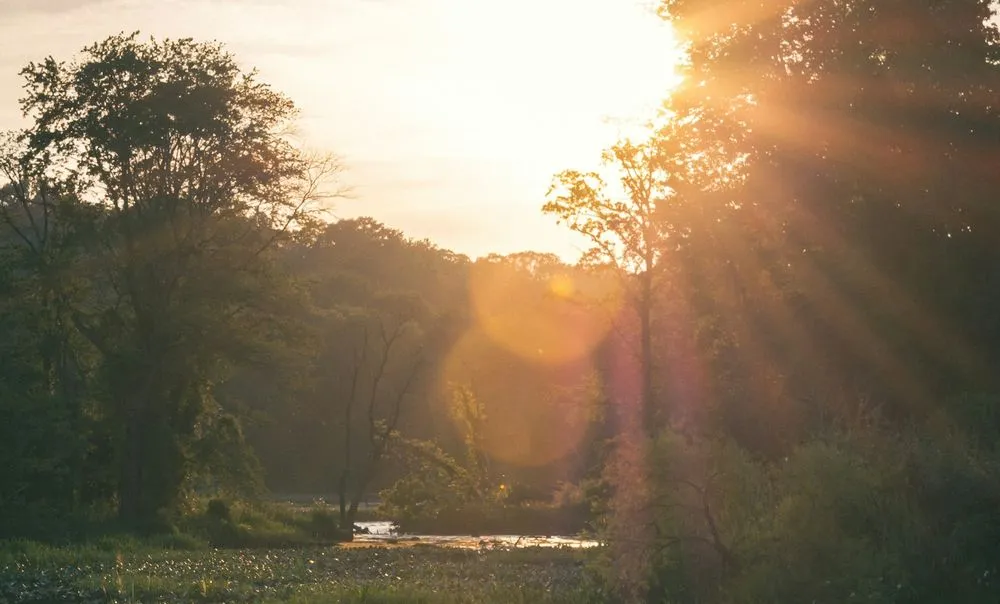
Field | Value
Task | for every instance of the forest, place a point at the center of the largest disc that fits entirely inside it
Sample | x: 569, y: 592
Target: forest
x: 772, y: 377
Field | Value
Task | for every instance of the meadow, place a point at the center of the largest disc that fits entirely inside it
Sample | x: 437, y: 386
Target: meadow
x: 126, y: 571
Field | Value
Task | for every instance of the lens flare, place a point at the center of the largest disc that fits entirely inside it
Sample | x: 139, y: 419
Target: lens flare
x: 546, y: 322
x: 533, y: 413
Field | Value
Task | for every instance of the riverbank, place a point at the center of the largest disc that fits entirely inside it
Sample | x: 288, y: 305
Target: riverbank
x: 116, y: 572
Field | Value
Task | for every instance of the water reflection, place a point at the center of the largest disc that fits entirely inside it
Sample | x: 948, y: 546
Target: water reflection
x: 382, y: 532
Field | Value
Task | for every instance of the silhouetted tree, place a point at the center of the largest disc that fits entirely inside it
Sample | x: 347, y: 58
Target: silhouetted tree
x: 185, y: 157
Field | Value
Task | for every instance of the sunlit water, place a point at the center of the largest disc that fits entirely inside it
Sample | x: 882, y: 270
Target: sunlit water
x: 382, y: 532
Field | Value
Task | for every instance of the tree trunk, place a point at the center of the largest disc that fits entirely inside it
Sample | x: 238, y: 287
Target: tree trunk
x: 130, y: 508
x: 352, y: 512
x: 133, y: 504
x: 342, y: 496
x: 365, y: 478
x: 345, y: 474
x: 649, y: 414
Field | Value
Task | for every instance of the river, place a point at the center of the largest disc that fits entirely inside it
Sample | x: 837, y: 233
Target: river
x: 381, y: 532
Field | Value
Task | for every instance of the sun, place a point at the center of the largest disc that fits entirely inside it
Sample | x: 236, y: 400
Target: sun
x: 453, y: 115
x: 545, y: 81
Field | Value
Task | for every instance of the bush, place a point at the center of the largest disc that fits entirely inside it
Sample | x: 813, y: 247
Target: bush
x: 873, y: 516
x: 435, y: 486
x: 567, y: 494
x: 325, y: 524
x: 219, y: 510
x: 242, y: 524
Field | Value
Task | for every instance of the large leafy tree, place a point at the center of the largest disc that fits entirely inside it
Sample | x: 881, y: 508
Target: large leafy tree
x: 865, y: 134
x: 187, y: 159
x: 620, y: 223
x: 843, y: 259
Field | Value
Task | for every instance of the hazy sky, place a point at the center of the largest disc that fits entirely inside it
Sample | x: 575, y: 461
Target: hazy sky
x: 451, y: 115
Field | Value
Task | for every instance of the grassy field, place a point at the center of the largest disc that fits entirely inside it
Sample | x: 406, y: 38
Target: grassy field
x: 120, y: 570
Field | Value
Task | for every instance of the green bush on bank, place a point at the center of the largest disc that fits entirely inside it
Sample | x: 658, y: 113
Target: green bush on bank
x: 439, y: 495
x: 905, y: 516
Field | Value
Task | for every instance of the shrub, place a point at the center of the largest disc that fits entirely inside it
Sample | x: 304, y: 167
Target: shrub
x: 219, y: 509
x: 325, y: 524
x: 567, y: 494
x: 876, y: 515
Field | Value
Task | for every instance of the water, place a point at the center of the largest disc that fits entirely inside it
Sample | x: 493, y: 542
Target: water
x: 382, y: 532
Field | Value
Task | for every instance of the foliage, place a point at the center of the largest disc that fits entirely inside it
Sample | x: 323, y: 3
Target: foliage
x: 855, y: 516
x: 439, y: 495
x: 219, y: 510
x: 469, y: 414
x: 159, y: 173
x: 825, y: 311
x: 433, y: 486
x: 851, y: 138
x: 241, y: 524
x: 623, y: 230
x: 225, y: 463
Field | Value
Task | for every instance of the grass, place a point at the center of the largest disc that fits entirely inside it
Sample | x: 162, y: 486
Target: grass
x: 131, y: 571
x: 273, y: 553
x: 207, y: 523
x: 262, y: 525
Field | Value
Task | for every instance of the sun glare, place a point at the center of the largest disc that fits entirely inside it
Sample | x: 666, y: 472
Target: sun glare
x: 522, y: 429
x: 545, y: 329
x: 549, y: 82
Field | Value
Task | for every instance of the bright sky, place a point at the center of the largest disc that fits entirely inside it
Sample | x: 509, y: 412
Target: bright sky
x: 452, y: 115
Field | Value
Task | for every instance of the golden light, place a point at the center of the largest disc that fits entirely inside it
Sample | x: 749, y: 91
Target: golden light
x: 451, y: 115
x: 562, y: 286
x: 535, y: 413
x: 536, y: 82
x: 538, y: 322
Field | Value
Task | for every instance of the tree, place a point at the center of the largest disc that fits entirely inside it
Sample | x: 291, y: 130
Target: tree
x: 469, y: 415
x: 856, y: 122
x: 386, y: 361
x: 48, y: 371
x: 353, y: 273
x: 187, y: 161
x: 841, y: 267
x: 624, y: 233
x: 45, y: 222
